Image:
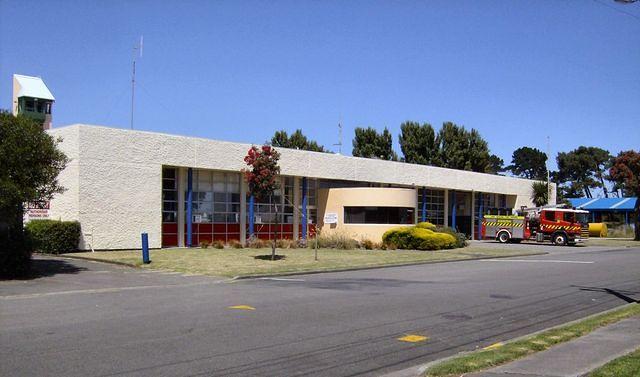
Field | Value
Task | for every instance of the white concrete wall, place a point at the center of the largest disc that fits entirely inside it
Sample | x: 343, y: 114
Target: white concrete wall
x: 66, y: 206
x: 118, y: 189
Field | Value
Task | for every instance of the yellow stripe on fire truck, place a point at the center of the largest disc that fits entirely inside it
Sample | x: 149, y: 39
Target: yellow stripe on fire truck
x: 563, y: 227
x: 504, y: 224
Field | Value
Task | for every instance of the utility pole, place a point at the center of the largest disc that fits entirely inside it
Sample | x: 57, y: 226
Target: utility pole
x: 548, y: 173
x: 339, y: 144
x: 133, y: 77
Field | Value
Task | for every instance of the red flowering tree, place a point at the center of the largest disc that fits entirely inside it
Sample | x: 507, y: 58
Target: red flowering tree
x: 261, y: 176
x: 625, y: 172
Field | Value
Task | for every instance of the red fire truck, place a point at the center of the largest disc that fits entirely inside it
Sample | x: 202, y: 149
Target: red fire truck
x: 561, y: 226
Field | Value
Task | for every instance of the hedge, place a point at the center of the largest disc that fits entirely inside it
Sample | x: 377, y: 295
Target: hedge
x: 461, y: 238
x: 426, y: 225
x: 54, y: 237
x: 422, y: 237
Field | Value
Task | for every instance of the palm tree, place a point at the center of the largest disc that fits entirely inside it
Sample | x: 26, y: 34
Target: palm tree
x: 539, y: 193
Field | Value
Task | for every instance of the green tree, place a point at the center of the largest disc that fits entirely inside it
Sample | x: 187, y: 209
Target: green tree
x: 529, y: 163
x: 30, y: 162
x: 462, y: 149
x: 478, y: 156
x: 453, y: 145
x: 625, y: 171
x: 418, y: 143
x: 496, y: 164
x: 369, y: 143
x: 539, y: 193
x: 261, y: 177
x: 297, y: 140
x: 584, y: 168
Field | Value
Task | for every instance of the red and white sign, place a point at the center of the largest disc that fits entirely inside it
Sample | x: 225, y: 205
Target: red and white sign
x: 35, y: 211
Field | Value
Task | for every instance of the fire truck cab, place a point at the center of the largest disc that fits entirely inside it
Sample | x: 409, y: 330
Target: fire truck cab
x: 561, y: 226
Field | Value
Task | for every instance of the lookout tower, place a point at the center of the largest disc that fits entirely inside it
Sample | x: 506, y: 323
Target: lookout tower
x: 32, y: 98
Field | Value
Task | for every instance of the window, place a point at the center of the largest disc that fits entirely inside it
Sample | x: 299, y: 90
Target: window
x: 492, y: 204
x: 169, y: 195
x: 216, y: 197
x: 29, y: 104
x: 550, y: 215
x: 434, y: 206
x: 569, y: 216
x: 378, y: 215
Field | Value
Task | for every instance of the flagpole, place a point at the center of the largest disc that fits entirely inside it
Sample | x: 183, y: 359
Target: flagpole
x: 133, y: 79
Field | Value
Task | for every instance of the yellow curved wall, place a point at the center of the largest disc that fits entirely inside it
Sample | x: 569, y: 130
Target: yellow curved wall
x: 334, y: 200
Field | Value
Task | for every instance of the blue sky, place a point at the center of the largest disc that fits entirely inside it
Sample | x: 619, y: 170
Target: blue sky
x: 518, y: 71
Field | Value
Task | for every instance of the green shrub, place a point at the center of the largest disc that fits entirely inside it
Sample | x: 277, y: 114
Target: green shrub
x: 418, y: 238
x: 426, y: 225
x: 15, y: 251
x: 54, y: 237
x: 461, y: 238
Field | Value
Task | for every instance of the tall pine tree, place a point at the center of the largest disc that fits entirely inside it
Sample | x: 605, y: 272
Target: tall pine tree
x: 418, y: 143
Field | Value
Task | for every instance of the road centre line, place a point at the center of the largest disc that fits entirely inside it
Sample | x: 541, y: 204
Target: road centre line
x: 537, y: 261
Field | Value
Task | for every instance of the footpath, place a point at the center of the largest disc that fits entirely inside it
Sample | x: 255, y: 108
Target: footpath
x: 577, y: 357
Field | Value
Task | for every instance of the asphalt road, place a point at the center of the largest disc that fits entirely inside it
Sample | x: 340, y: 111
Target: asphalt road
x: 92, y: 319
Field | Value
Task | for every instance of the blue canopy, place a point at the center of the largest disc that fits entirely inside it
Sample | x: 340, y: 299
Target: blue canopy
x: 604, y: 204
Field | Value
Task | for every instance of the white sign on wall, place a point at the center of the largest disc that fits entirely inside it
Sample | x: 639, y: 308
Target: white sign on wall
x: 330, y: 218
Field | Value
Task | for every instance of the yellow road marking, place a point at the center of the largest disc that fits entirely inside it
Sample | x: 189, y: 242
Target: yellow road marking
x: 412, y: 338
x: 242, y: 307
x: 493, y: 346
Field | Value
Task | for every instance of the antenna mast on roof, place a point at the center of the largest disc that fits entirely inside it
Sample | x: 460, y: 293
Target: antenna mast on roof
x: 547, y: 166
x: 133, y: 76
x: 339, y: 144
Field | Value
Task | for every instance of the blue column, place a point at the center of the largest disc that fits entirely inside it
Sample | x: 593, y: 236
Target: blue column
x: 251, y: 215
x: 593, y: 217
x: 480, y: 216
x: 304, y: 208
x: 453, y: 209
x: 424, y: 204
x: 189, y: 206
x: 145, y: 248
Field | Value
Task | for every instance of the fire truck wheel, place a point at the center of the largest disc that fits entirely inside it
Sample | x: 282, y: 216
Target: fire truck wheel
x: 503, y: 237
x: 559, y: 239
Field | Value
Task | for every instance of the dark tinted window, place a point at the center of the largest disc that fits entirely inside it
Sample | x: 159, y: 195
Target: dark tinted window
x: 550, y: 215
x: 378, y: 215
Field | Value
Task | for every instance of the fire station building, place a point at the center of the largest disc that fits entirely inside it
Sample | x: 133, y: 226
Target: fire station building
x: 185, y: 190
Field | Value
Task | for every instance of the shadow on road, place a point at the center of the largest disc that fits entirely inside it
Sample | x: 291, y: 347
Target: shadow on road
x: 41, y: 268
x: 622, y: 294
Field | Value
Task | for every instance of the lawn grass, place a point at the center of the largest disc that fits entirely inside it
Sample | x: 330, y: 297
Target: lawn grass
x: 242, y: 262
x: 613, y: 242
x: 625, y: 366
x: 484, y: 359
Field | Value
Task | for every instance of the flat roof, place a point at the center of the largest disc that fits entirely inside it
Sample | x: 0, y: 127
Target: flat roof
x: 99, y: 142
x: 30, y: 86
x: 605, y: 204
